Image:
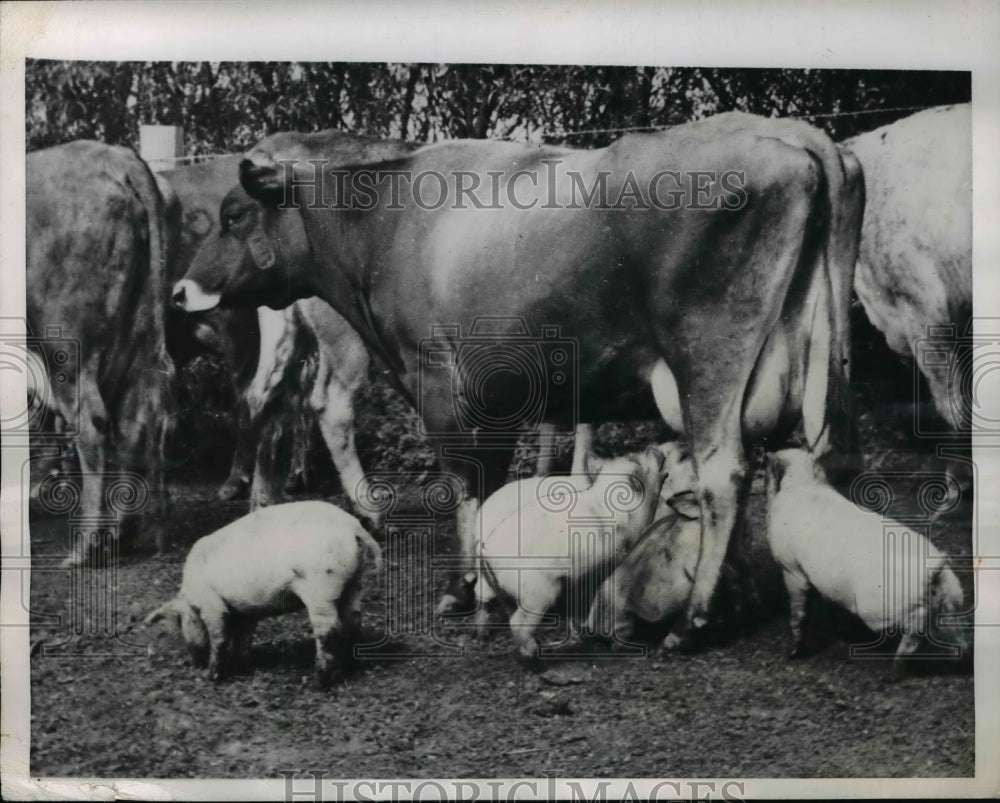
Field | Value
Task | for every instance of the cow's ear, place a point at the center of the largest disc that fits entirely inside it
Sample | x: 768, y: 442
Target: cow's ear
x: 657, y: 455
x: 263, y: 182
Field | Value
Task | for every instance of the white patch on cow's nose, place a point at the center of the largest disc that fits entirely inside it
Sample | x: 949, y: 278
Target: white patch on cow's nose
x: 189, y: 297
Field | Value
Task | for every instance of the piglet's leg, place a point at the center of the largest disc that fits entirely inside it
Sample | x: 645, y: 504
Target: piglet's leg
x: 914, y: 625
x: 798, y: 593
x: 538, y: 593
x: 326, y: 626
x: 216, y: 624
x: 349, y: 608
x: 242, y: 629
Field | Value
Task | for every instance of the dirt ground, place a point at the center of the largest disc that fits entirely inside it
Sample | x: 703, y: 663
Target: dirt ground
x: 134, y: 707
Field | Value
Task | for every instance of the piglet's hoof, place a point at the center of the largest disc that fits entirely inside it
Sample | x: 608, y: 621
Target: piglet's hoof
x: 684, y: 637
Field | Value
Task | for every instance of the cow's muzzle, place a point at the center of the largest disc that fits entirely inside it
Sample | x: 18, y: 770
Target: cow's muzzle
x: 189, y: 297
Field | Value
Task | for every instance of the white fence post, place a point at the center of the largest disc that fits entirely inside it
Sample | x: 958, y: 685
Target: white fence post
x: 160, y: 146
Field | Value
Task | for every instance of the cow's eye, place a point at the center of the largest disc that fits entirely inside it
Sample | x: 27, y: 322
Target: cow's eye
x: 232, y: 218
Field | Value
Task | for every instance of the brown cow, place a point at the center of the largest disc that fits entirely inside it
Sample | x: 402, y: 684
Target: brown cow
x: 97, y: 262
x: 704, y: 272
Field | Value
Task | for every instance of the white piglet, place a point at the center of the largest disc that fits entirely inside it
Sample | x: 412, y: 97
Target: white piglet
x: 275, y: 560
x: 821, y: 539
x: 529, y: 554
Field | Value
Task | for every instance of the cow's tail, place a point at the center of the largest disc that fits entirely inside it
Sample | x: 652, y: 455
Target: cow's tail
x: 845, y: 201
x: 163, y: 226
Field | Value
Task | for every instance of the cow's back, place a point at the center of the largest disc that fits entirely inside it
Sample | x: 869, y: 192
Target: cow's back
x: 915, y: 262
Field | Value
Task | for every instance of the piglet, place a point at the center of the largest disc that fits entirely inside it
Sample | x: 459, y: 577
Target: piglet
x: 528, y: 553
x: 275, y: 560
x: 821, y: 539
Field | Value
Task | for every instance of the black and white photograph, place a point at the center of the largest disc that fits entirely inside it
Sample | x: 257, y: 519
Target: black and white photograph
x: 427, y: 403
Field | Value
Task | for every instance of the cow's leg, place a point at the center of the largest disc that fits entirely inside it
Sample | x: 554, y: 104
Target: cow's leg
x: 278, y: 330
x: 237, y: 484
x: 92, y: 454
x: 714, y: 431
x: 583, y: 448
x: 145, y: 420
x: 481, y: 472
x: 738, y: 573
x: 547, y: 436
x: 266, y: 487
x: 333, y: 401
x: 297, y: 480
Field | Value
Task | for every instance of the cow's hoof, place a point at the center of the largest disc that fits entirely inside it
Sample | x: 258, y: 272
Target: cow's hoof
x: 295, y: 484
x: 85, y: 558
x: 233, y: 489
x: 531, y: 661
x: 900, y: 672
x: 799, y: 651
x: 74, y: 561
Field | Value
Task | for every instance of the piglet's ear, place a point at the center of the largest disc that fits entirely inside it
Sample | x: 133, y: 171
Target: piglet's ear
x: 685, y: 505
x: 168, y: 610
x: 775, y: 473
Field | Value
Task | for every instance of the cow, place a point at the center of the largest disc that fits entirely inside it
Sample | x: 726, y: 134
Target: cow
x: 98, y: 254
x: 270, y: 340
x: 702, y: 273
x: 914, y: 267
x: 233, y: 335
x: 342, y: 366
x: 256, y: 349
x: 279, y: 559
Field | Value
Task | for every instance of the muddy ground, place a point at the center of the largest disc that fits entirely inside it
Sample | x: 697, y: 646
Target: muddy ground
x: 133, y: 706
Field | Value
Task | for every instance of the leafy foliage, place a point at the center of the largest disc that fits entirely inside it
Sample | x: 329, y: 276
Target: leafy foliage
x: 227, y: 106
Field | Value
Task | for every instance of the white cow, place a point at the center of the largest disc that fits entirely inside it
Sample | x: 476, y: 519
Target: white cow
x: 915, y: 260
x: 886, y: 574
x: 274, y: 560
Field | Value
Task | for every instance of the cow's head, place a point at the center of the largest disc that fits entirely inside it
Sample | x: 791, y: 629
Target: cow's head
x: 259, y: 257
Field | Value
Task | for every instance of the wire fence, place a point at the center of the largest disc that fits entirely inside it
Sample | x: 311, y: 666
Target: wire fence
x: 168, y: 163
